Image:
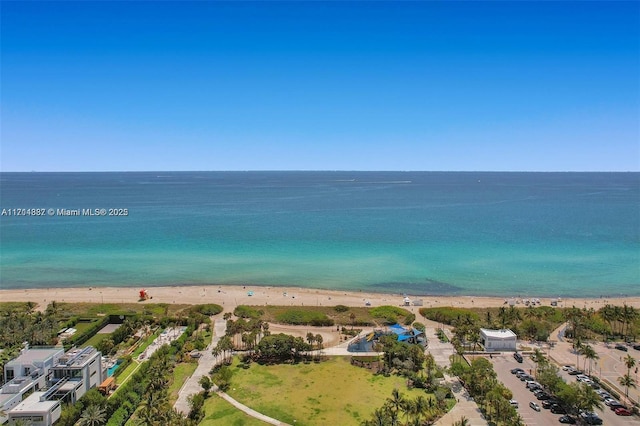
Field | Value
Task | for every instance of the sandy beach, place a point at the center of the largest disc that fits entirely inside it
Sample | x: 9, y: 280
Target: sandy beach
x: 231, y: 296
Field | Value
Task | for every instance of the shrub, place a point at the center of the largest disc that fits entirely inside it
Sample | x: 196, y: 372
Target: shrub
x: 244, y: 311
x: 447, y: 314
x: 341, y: 308
x: 303, y: 317
x: 208, y: 309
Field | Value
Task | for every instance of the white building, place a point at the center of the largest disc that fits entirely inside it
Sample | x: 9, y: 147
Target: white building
x: 37, y: 410
x: 82, y: 369
x: 65, y: 377
x: 498, y: 340
x: 25, y: 374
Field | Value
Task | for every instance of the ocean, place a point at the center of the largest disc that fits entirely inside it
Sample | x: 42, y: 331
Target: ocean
x: 420, y: 233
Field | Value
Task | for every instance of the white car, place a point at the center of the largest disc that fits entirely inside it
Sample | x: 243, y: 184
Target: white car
x: 513, y: 402
x: 567, y: 367
x: 534, y: 405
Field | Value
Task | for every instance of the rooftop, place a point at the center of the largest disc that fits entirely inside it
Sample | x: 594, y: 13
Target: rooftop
x: 76, y: 358
x: 33, y: 355
x: 498, y: 334
x: 33, y: 404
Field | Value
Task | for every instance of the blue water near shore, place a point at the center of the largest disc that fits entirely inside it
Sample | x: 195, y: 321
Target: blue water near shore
x: 538, y: 234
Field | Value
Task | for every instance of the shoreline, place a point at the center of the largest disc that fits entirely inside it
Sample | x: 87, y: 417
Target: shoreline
x: 230, y: 296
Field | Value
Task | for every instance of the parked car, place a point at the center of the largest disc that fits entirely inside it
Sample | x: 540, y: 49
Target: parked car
x: 534, y: 405
x: 609, y: 401
x: 622, y: 412
x: 636, y: 347
x: 568, y: 420
x: 615, y: 405
x: 590, y: 418
x: 557, y: 409
x: 517, y: 357
x: 547, y: 403
x: 517, y: 370
x: 542, y: 396
x: 575, y: 372
x: 513, y: 403
x: 567, y: 367
x: 620, y: 347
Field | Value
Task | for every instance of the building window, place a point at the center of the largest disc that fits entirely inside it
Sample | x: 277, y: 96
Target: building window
x: 10, y: 375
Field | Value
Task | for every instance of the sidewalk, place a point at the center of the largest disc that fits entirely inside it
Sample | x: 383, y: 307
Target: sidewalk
x: 465, y: 405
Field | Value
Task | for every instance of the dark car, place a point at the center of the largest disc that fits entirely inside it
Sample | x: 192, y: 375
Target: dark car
x: 517, y: 370
x: 518, y: 357
x: 568, y: 420
x: 636, y: 347
x: 557, y: 409
x: 575, y: 372
x: 542, y: 396
x: 547, y: 403
x: 621, y: 347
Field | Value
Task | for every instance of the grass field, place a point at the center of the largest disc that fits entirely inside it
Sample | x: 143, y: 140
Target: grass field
x: 97, y: 338
x: 332, y: 392
x: 122, y: 377
x: 219, y: 412
x: 143, y: 345
x: 181, y: 372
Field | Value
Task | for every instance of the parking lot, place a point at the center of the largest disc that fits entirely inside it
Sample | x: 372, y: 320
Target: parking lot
x: 503, y: 365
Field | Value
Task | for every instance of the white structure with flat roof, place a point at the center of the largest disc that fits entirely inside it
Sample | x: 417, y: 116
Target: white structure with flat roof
x: 498, y: 340
x: 37, y: 410
x: 65, y: 377
x: 25, y: 374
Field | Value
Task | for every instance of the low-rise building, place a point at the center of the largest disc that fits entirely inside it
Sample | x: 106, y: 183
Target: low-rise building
x: 498, y: 340
x: 44, y: 378
x: 25, y: 374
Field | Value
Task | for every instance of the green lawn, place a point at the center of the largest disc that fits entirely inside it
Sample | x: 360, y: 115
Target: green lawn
x: 122, y: 377
x: 97, y: 338
x: 330, y: 392
x: 181, y: 372
x: 219, y: 412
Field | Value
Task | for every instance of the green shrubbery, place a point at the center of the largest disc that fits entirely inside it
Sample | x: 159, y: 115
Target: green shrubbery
x: 304, y: 317
x: 244, y: 311
x: 448, y: 315
x: 393, y: 314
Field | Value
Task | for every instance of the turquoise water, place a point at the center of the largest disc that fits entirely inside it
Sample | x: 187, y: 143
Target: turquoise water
x: 113, y: 369
x: 539, y: 234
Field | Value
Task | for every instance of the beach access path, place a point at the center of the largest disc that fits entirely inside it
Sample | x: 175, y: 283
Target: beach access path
x: 205, y: 363
x: 465, y: 405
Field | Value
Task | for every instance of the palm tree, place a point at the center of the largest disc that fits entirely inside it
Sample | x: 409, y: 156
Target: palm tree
x: 589, y: 354
x: 93, y: 415
x: 627, y: 381
x: 396, y: 402
x: 462, y: 422
x: 420, y: 407
x: 630, y: 362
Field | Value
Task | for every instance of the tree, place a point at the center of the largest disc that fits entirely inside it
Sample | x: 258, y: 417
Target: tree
x: 627, y: 381
x: 396, y: 402
x: 629, y: 362
x: 222, y: 377
x: 206, y: 384
x: 93, y: 415
x: 462, y: 422
x: 589, y: 355
x: 196, y: 402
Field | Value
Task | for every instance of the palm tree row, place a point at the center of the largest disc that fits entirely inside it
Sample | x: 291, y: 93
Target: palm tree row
x: 399, y: 410
x: 621, y: 319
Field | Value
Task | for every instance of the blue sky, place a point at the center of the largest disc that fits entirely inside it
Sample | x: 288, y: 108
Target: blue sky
x: 541, y: 86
